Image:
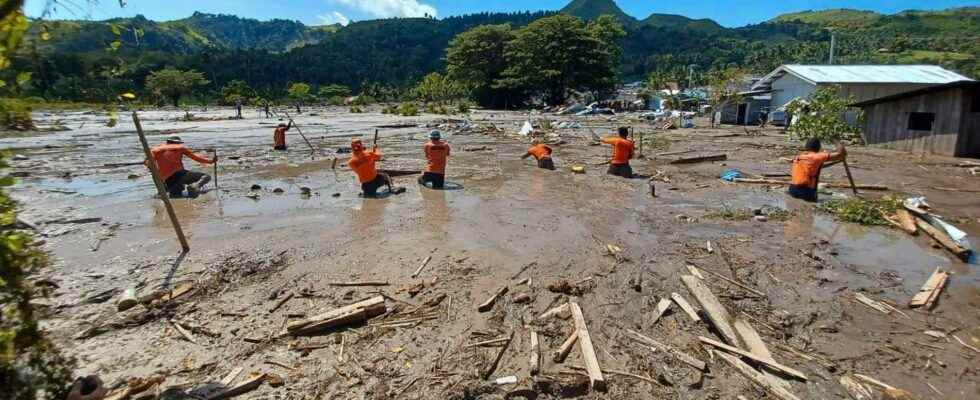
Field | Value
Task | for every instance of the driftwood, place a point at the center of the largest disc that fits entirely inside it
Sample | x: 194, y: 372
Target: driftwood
x: 281, y: 302
x: 755, y: 345
x: 367, y: 283
x: 566, y: 347
x: 563, y: 311
x: 496, y: 360
x: 253, y: 382
x: 487, y: 305
x: 694, y: 160
x: 767, y: 361
x: 757, y: 377
x: 929, y: 292
x: 684, y: 305
x: 662, y: 307
x: 680, y: 355
x: 588, y: 351
x: 709, y: 303
x: 943, y: 239
x: 535, y: 361
x: 422, y: 266
x: 360, y: 311
x: 835, y: 185
x: 906, y: 221
x: 855, y: 388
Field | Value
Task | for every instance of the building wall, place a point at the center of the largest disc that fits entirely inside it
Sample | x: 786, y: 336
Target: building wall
x: 789, y: 87
x: 968, y: 144
x: 887, y: 123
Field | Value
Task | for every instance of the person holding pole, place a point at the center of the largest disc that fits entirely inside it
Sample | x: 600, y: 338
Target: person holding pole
x: 279, y: 137
x: 436, y: 152
x: 363, y: 163
x: 542, y: 153
x: 169, y: 160
x: 807, y: 166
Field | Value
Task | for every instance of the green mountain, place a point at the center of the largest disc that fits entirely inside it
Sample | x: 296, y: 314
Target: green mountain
x: 682, y: 22
x: 590, y: 9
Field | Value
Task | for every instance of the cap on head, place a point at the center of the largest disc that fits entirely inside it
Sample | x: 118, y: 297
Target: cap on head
x: 282, y: 125
x: 356, y: 145
x: 174, y: 140
x: 536, y: 141
x: 813, y: 144
x: 624, y: 131
x: 435, y: 135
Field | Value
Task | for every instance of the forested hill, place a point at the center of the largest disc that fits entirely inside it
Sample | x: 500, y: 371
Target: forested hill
x: 89, y: 57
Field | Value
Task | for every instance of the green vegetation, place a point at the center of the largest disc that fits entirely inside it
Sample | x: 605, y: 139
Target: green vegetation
x: 863, y: 211
x: 174, y: 83
x: 237, y: 90
x: 15, y: 114
x: 407, y: 109
x: 299, y: 93
x: 821, y: 115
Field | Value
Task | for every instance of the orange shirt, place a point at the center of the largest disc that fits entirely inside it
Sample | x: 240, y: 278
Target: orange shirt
x: 540, y: 151
x: 622, y: 149
x: 436, y: 152
x: 362, y: 163
x: 169, y: 158
x: 280, y: 136
x: 806, y: 168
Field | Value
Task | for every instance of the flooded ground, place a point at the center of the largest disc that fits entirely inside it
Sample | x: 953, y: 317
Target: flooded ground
x: 501, y: 215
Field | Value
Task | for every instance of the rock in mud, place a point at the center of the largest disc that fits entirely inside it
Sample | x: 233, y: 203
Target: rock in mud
x: 278, y: 191
x: 256, y: 187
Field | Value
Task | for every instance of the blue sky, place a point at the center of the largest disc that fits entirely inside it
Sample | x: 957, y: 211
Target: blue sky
x: 315, y: 12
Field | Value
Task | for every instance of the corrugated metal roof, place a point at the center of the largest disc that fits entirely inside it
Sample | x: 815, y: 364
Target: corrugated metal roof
x: 821, y: 74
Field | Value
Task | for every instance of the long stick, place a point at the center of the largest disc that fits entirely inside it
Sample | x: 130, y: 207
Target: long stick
x: 159, y: 184
x: 375, y: 138
x: 848, y: 170
x: 214, y: 152
x: 312, y: 149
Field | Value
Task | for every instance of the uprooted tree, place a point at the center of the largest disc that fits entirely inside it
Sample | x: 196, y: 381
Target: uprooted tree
x: 824, y: 115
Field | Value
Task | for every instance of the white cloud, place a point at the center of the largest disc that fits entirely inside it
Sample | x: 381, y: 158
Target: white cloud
x: 390, y: 8
x: 334, y: 17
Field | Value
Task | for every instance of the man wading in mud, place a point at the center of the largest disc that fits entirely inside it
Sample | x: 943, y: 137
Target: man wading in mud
x: 542, y: 153
x: 279, y: 137
x: 807, y: 166
x: 169, y: 158
x: 619, y: 165
x: 363, y: 164
x: 436, y: 151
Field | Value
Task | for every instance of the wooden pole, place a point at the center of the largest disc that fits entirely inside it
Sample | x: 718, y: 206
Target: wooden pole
x: 847, y: 169
x: 161, y: 191
x: 312, y: 149
x: 214, y: 152
x: 375, y: 138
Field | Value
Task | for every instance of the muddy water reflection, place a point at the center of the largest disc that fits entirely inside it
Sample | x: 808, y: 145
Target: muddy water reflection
x: 436, y: 212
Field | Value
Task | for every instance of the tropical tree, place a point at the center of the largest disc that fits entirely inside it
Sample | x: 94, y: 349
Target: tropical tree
x: 724, y: 87
x: 477, y: 59
x: 552, y: 55
x: 237, y: 90
x: 823, y: 115
x: 174, y: 83
x: 437, y: 88
x: 334, y: 91
x: 300, y: 94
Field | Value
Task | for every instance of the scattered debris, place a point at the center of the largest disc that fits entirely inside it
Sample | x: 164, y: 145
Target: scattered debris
x: 929, y: 292
x: 487, y: 305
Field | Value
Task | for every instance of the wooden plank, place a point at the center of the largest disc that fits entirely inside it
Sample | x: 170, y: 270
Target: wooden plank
x: 877, y: 305
x: 835, y: 185
x: 496, y: 360
x: 855, y: 388
x: 535, y: 362
x: 422, y: 266
x: 487, y: 305
x: 596, y: 380
x: 907, y: 221
x: 929, y: 292
x: 757, y: 377
x: 694, y: 160
x: 755, y: 345
x: 684, y: 305
x: 680, y: 355
x: 565, y: 348
x: 942, y: 238
x: 734, y: 282
x: 709, y: 303
x: 662, y: 307
x: 768, y: 362
x: 562, y: 311
x: 373, y: 304
x: 357, y: 315
x: 253, y: 382
x: 367, y: 283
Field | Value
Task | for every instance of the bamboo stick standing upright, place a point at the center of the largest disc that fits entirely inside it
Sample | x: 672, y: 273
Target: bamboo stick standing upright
x: 161, y: 191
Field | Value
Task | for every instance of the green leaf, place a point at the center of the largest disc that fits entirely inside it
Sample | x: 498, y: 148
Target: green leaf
x: 115, y: 29
x: 23, y: 78
x: 115, y: 45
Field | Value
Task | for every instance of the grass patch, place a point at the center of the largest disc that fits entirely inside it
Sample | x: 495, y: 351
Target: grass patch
x: 730, y: 214
x: 655, y: 143
x: 862, y: 211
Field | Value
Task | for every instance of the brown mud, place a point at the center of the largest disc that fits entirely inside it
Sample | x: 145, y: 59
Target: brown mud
x: 500, y: 215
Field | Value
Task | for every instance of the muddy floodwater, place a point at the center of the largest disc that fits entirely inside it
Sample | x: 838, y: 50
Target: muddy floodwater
x: 263, y: 258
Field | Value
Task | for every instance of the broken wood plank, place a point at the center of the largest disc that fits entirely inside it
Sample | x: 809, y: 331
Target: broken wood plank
x: 535, y: 365
x: 709, y: 303
x: 891, y: 392
x: 500, y: 354
x: 930, y: 291
x: 680, y: 355
x: 695, y: 160
x: 521, y: 271
x: 755, y: 345
x: 281, y: 302
x: 684, y: 305
x: 694, y: 271
x: 768, y: 362
x: 757, y: 377
x: 366, y: 283
x: 566, y: 347
x: 373, y: 306
x: 422, y: 266
x: 488, y: 342
x: 253, y: 382
x: 487, y: 305
x: 733, y: 282
x: 563, y: 311
x: 230, y: 377
x: 874, y: 304
x: 906, y: 221
x: 588, y: 351
x: 183, y: 332
x: 855, y: 389
x: 943, y: 239
x: 835, y: 185
x: 662, y: 307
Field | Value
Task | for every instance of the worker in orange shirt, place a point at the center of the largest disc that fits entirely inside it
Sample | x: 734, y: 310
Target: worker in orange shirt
x: 363, y: 164
x: 542, y: 153
x: 436, y: 151
x: 280, y: 136
x: 807, y: 166
x: 169, y: 159
x: 622, y: 153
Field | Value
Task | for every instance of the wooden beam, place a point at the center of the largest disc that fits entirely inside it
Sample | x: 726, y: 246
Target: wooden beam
x: 757, y: 377
x: 561, y: 311
x: 662, y: 307
x: 943, y: 239
x: 487, y: 305
x: 709, y: 303
x: 253, y: 382
x: 929, y: 292
x: 755, y: 345
x: 684, y: 305
x: 907, y: 221
x: 422, y: 266
x: 535, y: 362
x: 565, y: 348
x: 374, y: 305
x: 768, y: 362
x: 588, y: 351
x: 694, y: 160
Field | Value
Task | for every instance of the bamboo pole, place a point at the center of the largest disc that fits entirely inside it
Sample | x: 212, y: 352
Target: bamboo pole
x: 161, y: 191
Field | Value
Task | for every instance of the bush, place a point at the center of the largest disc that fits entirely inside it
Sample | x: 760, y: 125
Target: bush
x: 30, y: 367
x: 437, y: 109
x: 408, y: 109
x: 463, y: 108
x: 864, y: 212
x: 356, y: 110
x: 15, y: 114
